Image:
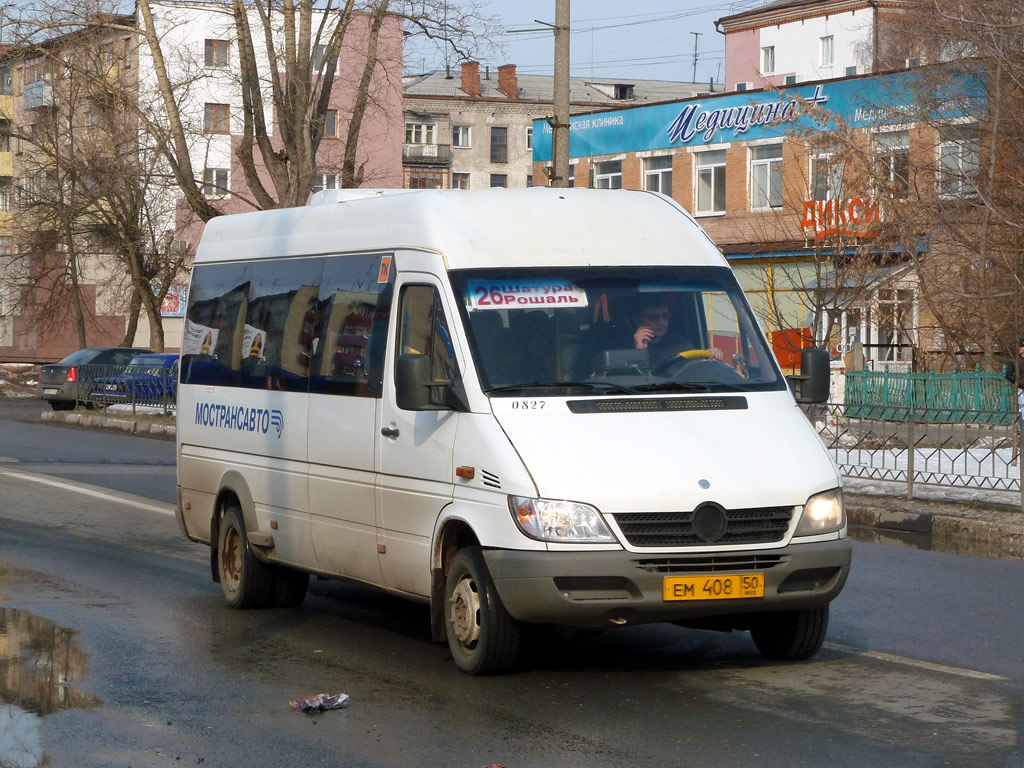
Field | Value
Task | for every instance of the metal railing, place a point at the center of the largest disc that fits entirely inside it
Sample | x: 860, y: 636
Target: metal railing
x: 134, y: 385
x: 923, y: 450
x: 961, y: 397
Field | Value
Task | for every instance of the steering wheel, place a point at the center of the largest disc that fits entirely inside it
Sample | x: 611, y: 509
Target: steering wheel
x: 675, y: 363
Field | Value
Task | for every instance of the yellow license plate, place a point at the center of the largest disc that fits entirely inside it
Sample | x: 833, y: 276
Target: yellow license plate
x: 733, y: 586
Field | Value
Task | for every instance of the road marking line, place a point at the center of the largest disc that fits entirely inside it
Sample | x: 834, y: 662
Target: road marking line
x: 87, y: 490
x: 931, y: 666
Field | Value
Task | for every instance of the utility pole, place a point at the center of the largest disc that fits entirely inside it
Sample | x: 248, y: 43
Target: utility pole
x: 558, y: 174
x: 696, y: 35
x: 560, y: 126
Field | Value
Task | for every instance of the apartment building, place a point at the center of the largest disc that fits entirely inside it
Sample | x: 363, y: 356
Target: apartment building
x: 199, y: 48
x: 793, y: 41
x: 476, y: 130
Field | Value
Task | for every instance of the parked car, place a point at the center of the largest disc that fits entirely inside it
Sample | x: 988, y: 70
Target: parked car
x: 149, y: 379
x: 65, y: 383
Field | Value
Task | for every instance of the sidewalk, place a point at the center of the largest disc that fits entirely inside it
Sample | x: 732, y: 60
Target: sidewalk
x: 972, y: 524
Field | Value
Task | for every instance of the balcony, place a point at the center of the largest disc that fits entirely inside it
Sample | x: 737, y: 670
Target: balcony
x: 6, y: 106
x: 6, y: 164
x: 38, y: 94
x: 6, y: 223
x: 427, y: 154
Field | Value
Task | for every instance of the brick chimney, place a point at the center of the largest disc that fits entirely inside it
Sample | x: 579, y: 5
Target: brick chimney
x: 471, y: 77
x: 507, y: 81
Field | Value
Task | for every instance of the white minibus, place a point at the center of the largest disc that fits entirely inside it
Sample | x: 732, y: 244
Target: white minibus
x: 537, y: 406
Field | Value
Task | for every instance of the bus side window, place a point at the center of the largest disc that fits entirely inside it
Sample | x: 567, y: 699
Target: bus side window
x: 423, y: 330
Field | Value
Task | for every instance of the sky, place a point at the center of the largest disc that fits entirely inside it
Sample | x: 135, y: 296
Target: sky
x: 641, y: 39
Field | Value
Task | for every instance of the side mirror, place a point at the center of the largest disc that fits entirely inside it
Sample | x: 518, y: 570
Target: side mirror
x: 812, y: 385
x: 415, y: 389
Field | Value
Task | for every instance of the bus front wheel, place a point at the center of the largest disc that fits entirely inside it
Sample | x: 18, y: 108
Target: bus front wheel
x: 482, y: 637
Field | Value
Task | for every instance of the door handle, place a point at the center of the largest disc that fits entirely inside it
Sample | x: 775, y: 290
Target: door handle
x: 388, y: 432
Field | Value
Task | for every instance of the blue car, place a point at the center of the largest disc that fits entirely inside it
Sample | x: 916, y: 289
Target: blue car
x: 149, y: 379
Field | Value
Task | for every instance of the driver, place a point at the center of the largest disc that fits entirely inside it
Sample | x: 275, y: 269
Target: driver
x: 651, y: 320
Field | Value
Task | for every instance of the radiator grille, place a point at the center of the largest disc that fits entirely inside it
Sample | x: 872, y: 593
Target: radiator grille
x: 708, y: 524
x: 710, y: 564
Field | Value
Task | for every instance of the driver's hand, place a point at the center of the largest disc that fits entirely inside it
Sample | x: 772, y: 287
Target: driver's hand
x: 643, y: 337
x: 716, y: 354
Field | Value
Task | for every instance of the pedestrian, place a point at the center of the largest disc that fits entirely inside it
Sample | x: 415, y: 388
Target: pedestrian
x: 1017, y: 377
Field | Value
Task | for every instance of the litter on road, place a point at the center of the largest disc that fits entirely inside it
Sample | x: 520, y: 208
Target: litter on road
x: 320, y: 702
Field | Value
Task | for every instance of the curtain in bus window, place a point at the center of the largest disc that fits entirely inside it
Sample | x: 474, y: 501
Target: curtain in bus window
x: 353, y: 307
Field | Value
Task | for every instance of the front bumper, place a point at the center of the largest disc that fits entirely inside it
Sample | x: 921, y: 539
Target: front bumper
x: 599, y: 589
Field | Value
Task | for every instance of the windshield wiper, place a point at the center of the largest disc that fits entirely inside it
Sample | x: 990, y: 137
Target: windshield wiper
x: 605, y: 386
x: 689, y: 386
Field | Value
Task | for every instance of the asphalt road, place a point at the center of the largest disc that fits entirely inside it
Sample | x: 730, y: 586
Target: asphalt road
x: 117, y: 650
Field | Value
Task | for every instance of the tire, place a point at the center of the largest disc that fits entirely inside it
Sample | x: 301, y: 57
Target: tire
x: 290, y: 587
x: 61, y: 405
x: 244, y: 580
x: 483, y: 638
x: 791, y: 635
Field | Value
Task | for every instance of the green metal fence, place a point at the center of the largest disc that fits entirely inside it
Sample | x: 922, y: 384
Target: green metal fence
x: 961, y: 397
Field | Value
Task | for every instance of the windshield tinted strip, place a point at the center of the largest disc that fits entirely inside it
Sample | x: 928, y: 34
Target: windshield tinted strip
x: 658, y: 405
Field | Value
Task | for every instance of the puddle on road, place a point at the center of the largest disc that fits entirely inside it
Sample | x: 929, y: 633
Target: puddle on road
x: 991, y: 549
x: 38, y: 659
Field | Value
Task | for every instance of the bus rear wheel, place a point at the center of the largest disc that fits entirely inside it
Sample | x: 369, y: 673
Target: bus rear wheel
x: 244, y: 580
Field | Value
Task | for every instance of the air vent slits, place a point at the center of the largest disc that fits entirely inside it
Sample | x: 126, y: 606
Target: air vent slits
x: 489, y: 479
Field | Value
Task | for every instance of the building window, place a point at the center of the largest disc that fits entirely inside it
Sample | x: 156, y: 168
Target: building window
x: 5, y: 141
x: 331, y: 124
x: 419, y: 133
x: 460, y: 181
x: 790, y: 79
x: 461, y: 136
x: 768, y: 60
x: 216, y: 53
x: 216, y: 118
x: 499, y: 180
x: 710, y: 181
x: 529, y: 137
x: 895, y: 318
x: 894, y: 162
x: 318, y: 57
x: 325, y: 181
x: 499, y: 145
x: 5, y: 198
x: 529, y: 181
x: 742, y: 86
x: 826, y: 178
x: 608, y: 175
x: 851, y: 71
x: 623, y: 91
x: 958, y: 161
x: 425, y: 178
x: 658, y: 175
x: 766, y: 177
x: 215, y: 182
x: 828, y: 50
x: 572, y: 175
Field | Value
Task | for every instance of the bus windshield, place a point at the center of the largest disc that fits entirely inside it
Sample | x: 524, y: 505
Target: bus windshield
x: 590, y: 330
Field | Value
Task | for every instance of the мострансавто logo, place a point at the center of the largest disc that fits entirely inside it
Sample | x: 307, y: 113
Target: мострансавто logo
x: 239, y: 417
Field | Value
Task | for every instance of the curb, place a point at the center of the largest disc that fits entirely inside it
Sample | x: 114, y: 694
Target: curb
x: 128, y: 426
x: 999, y: 530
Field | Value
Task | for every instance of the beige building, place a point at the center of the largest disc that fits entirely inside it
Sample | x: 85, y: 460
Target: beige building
x: 475, y: 130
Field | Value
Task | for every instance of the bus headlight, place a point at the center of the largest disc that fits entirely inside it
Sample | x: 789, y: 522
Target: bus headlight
x: 561, y: 521
x: 823, y: 513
